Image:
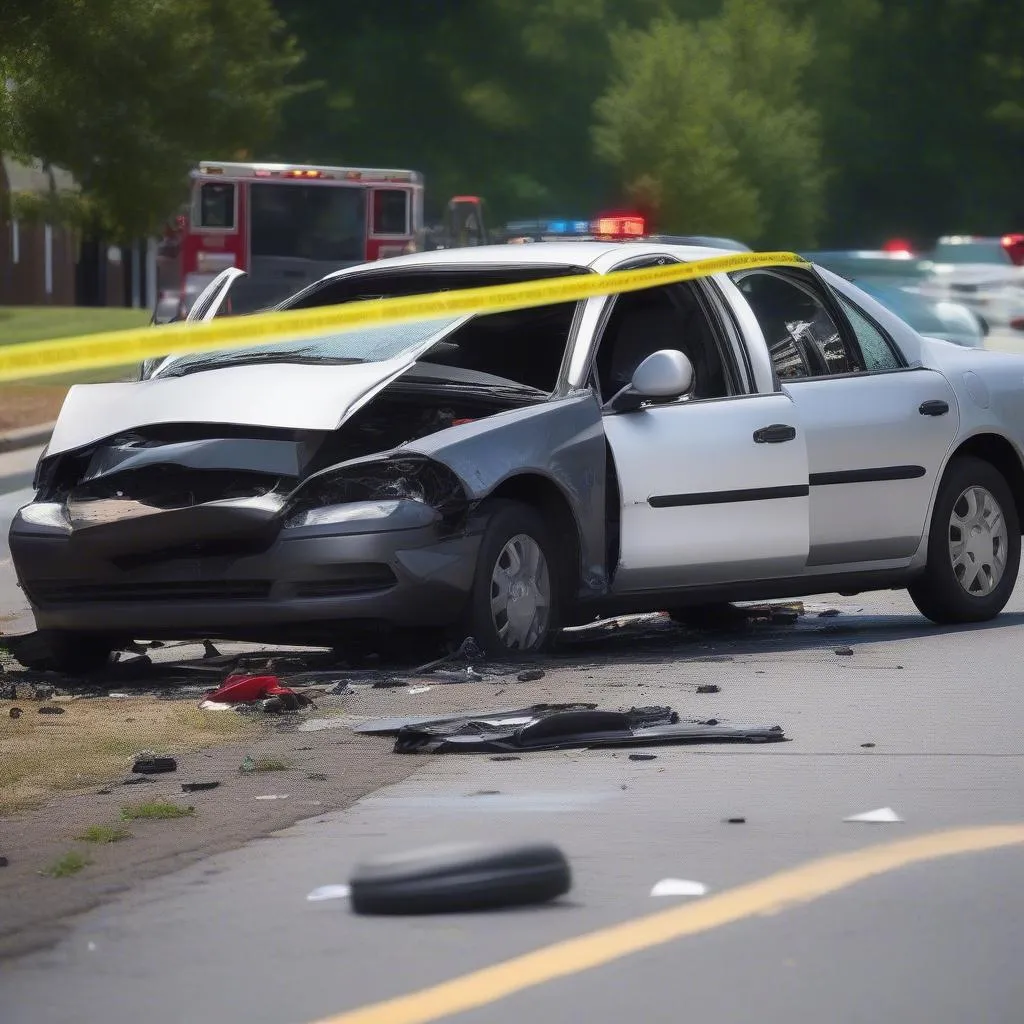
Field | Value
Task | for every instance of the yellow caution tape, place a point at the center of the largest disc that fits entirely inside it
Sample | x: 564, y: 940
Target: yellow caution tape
x: 122, y: 348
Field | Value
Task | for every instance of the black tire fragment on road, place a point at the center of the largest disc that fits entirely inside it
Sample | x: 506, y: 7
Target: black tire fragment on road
x: 460, y: 877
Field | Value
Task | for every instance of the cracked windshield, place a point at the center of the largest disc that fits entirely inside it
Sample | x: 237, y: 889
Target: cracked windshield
x: 511, y: 509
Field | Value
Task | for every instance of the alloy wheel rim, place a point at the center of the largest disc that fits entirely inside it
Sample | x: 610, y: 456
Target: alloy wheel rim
x: 521, y: 594
x: 978, y: 547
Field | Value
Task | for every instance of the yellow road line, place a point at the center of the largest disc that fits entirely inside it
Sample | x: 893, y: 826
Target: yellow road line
x: 768, y: 896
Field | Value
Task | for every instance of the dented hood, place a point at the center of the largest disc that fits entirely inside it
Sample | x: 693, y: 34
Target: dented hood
x: 291, y: 396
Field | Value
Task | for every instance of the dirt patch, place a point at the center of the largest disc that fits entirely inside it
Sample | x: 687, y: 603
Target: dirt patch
x: 96, y: 739
x: 327, y: 771
x: 26, y: 405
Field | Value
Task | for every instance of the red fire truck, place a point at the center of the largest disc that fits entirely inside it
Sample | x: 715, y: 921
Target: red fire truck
x: 286, y: 225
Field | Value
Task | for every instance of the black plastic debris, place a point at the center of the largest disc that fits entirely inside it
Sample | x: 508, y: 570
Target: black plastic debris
x: 867, y: 744
x: 709, y: 688
x: 460, y: 878
x: 4, y: 862
x: 198, y: 787
x: 736, y: 821
x: 392, y: 726
x: 468, y: 650
x: 137, y: 780
x: 154, y: 765
x: 563, y: 730
x: 389, y: 684
x: 531, y: 675
x: 51, y: 709
x: 506, y: 757
x: 209, y: 651
x: 642, y: 757
x: 15, y: 712
x: 844, y: 651
x: 829, y: 613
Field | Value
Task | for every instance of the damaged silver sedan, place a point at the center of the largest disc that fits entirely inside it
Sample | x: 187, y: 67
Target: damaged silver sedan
x: 765, y: 433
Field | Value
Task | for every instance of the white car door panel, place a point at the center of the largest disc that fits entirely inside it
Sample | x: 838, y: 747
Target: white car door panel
x: 875, y: 445
x: 703, y: 502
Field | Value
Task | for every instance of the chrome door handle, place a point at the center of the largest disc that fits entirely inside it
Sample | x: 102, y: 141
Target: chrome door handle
x: 774, y: 434
x: 936, y: 407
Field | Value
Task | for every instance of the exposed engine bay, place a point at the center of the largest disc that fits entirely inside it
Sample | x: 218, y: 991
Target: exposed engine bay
x: 187, y: 465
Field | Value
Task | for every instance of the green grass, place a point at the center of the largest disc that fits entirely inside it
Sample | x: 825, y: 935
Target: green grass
x: 155, y: 810
x: 104, y: 834
x: 265, y: 764
x: 70, y: 864
x: 40, y: 323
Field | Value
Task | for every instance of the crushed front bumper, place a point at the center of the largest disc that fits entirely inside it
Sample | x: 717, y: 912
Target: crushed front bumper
x: 305, y: 586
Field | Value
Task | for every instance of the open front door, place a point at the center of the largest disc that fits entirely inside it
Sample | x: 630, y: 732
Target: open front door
x: 214, y: 295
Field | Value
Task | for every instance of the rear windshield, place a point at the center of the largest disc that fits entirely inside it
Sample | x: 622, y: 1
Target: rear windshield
x: 971, y: 252
x: 311, y: 222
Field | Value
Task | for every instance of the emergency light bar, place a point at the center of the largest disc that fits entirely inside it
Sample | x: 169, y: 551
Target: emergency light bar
x: 619, y: 226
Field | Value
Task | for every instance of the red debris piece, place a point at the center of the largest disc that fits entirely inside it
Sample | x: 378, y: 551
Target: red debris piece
x: 243, y: 689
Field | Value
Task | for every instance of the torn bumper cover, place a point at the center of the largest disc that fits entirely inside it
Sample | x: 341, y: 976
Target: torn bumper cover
x: 557, y: 729
x: 177, y: 540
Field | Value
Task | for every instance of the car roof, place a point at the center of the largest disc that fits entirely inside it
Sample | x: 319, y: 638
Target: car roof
x: 567, y: 254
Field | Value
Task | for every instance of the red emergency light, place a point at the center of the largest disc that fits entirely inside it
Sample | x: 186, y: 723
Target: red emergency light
x: 898, y: 245
x: 1014, y: 246
x: 626, y: 225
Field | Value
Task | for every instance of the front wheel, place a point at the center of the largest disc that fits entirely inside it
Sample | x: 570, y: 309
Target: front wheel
x: 72, y: 654
x: 973, y: 546
x: 513, y: 608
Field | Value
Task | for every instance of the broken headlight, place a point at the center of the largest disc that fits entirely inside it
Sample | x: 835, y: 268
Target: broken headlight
x: 381, y: 484
x: 46, y: 513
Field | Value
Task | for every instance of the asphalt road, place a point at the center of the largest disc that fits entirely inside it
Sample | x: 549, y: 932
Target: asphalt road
x: 234, y: 938
x: 920, y: 934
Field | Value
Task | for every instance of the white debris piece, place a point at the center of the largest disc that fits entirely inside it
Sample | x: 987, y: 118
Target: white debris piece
x: 329, y: 892
x: 882, y: 815
x: 419, y: 689
x: 273, y: 796
x: 213, y: 705
x: 679, y: 887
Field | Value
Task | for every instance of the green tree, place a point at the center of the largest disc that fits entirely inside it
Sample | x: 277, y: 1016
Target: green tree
x: 128, y: 94
x: 705, y: 123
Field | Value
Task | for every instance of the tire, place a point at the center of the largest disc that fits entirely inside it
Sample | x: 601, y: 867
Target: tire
x: 511, y: 530
x: 460, y: 878
x: 69, y: 653
x: 973, y: 496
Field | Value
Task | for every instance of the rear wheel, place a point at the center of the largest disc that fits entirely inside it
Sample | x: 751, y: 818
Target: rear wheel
x: 973, y: 547
x: 513, y: 609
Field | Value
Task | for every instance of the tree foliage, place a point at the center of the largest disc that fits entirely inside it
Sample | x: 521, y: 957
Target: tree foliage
x: 706, y: 124
x: 777, y: 121
x: 128, y: 94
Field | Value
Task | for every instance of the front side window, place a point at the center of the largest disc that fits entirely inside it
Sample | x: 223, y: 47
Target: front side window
x: 390, y: 211
x: 217, y: 205
x: 803, y: 338
x: 644, y: 322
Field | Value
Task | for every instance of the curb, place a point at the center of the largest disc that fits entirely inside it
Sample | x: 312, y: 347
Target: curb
x: 26, y: 437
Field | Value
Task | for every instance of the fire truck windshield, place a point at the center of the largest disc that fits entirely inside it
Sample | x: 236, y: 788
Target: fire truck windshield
x: 312, y: 222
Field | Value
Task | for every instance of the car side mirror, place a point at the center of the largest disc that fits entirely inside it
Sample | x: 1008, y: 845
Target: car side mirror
x: 662, y: 377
